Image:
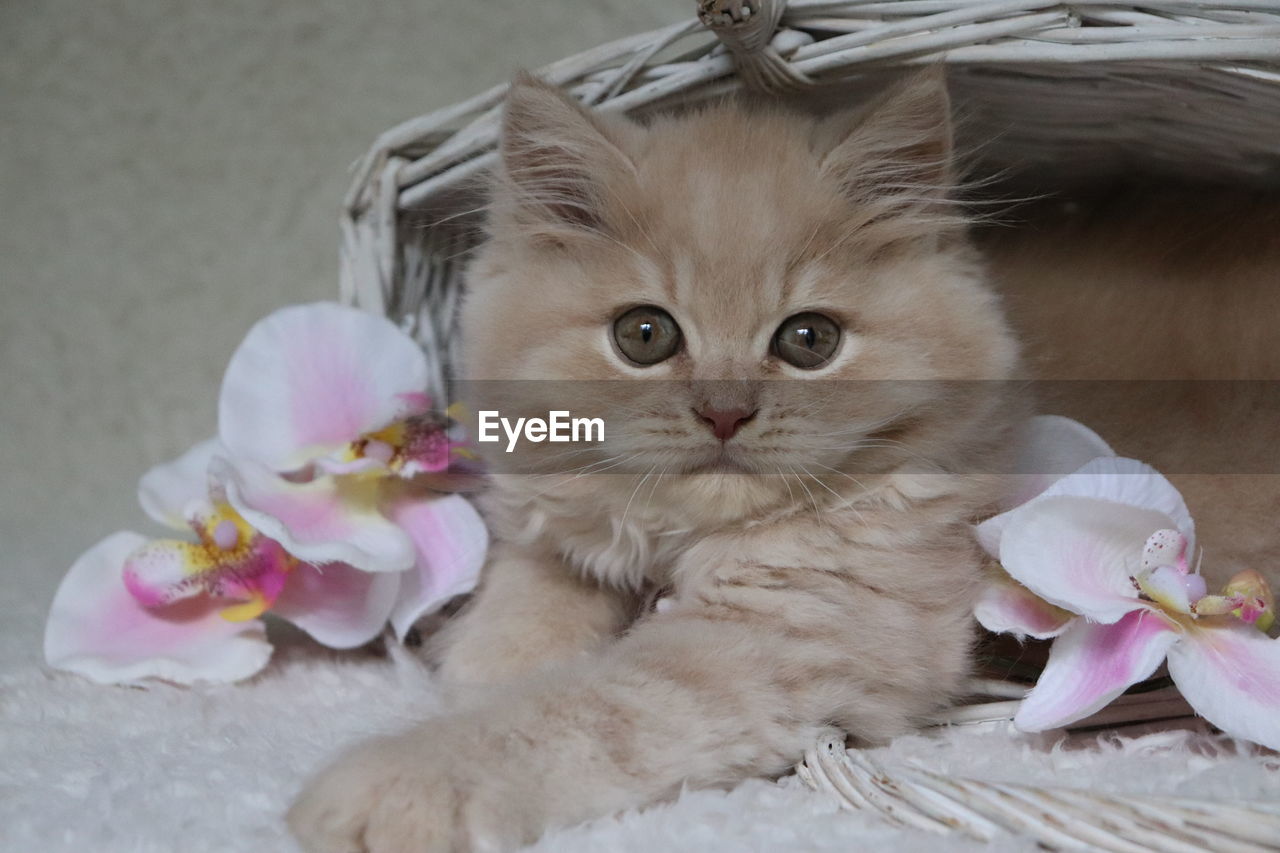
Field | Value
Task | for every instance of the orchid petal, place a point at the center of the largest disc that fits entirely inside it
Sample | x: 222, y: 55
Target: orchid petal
x: 1119, y: 480
x: 1052, y: 448
x: 1092, y: 664
x: 990, y: 532
x: 1006, y: 607
x: 166, y: 491
x: 1128, y: 482
x: 415, y: 402
x: 451, y: 540
x: 338, y: 605
x: 1078, y: 553
x: 329, y: 465
x: 1230, y: 673
x: 96, y: 628
x: 309, y: 379
x: 327, y: 520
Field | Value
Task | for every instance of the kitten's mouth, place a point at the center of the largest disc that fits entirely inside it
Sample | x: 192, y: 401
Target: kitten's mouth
x: 725, y: 460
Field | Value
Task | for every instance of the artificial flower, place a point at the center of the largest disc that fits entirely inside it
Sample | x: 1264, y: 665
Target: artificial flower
x: 1100, y: 559
x: 96, y: 628
x: 323, y: 416
x: 188, y: 610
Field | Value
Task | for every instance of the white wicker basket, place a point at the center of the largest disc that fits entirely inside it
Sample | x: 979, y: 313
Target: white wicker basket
x: 1056, y: 93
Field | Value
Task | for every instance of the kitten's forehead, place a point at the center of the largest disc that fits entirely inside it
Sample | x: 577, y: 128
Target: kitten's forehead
x: 730, y: 185
x: 727, y: 204
x: 730, y: 296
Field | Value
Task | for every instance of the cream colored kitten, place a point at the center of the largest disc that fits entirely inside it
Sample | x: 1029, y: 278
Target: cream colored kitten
x: 812, y: 528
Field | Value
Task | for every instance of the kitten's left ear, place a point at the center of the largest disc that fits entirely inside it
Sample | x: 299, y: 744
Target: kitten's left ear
x: 898, y: 146
x: 558, y: 158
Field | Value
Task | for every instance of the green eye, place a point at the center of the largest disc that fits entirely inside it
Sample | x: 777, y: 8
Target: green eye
x: 647, y: 335
x: 806, y: 340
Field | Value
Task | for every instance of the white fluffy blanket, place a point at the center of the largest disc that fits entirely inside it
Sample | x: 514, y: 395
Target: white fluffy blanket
x: 84, y: 767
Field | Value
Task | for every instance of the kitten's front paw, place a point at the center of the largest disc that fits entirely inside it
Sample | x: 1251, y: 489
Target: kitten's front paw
x: 385, y: 796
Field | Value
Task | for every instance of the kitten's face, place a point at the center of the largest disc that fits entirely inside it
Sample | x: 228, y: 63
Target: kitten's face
x: 714, y: 286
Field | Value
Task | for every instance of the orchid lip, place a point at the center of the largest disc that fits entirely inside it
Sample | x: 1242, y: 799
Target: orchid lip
x: 231, y: 561
x: 419, y: 443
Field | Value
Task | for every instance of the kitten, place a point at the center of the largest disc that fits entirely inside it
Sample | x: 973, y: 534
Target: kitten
x: 810, y: 315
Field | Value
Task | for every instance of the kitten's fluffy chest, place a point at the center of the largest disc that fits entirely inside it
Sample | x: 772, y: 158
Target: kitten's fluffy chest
x: 628, y: 531
x: 627, y: 534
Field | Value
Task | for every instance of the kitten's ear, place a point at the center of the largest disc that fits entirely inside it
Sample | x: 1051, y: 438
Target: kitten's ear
x: 900, y: 146
x: 558, y: 158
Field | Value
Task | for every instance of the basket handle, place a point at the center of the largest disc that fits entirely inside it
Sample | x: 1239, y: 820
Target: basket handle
x: 746, y: 28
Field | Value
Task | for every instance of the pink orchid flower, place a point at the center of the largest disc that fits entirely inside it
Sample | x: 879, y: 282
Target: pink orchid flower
x: 324, y: 421
x: 1099, y: 560
x: 186, y: 611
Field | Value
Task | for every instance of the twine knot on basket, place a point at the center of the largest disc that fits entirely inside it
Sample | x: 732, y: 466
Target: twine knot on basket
x: 746, y: 28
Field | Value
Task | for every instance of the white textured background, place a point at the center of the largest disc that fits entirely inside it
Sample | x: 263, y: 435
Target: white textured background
x: 170, y: 170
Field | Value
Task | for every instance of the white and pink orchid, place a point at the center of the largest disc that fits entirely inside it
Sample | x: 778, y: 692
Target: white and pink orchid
x: 324, y: 417
x: 307, y: 505
x: 1099, y: 560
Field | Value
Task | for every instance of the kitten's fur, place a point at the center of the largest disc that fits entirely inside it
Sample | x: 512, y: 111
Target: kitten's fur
x: 800, y: 602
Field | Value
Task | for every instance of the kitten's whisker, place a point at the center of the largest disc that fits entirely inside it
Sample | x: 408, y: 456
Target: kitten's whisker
x: 856, y: 447
x: 844, y: 474
x: 654, y: 488
x: 570, y: 451
x: 849, y: 502
x: 622, y: 459
x: 634, y: 492
x: 790, y: 494
x: 586, y: 469
x: 812, y: 500
x: 820, y: 482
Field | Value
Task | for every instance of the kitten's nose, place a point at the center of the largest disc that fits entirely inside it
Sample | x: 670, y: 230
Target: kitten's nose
x: 723, y: 423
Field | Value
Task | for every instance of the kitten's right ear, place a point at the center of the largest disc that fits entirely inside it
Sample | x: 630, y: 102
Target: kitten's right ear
x: 558, y: 158
x: 897, y: 151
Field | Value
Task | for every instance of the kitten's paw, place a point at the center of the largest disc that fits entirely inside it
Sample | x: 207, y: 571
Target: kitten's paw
x: 385, y: 796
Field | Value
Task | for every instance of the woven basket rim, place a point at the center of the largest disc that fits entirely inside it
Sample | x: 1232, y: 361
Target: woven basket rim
x: 1204, y: 73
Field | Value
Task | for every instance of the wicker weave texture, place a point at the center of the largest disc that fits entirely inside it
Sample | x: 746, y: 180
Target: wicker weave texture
x: 1061, y: 92
x: 1059, y: 818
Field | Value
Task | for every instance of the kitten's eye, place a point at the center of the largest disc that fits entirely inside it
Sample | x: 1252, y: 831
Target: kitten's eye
x: 806, y: 340
x: 647, y: 335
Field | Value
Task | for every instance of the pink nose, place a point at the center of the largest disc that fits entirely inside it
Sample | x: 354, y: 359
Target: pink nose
x: 723, y: 423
